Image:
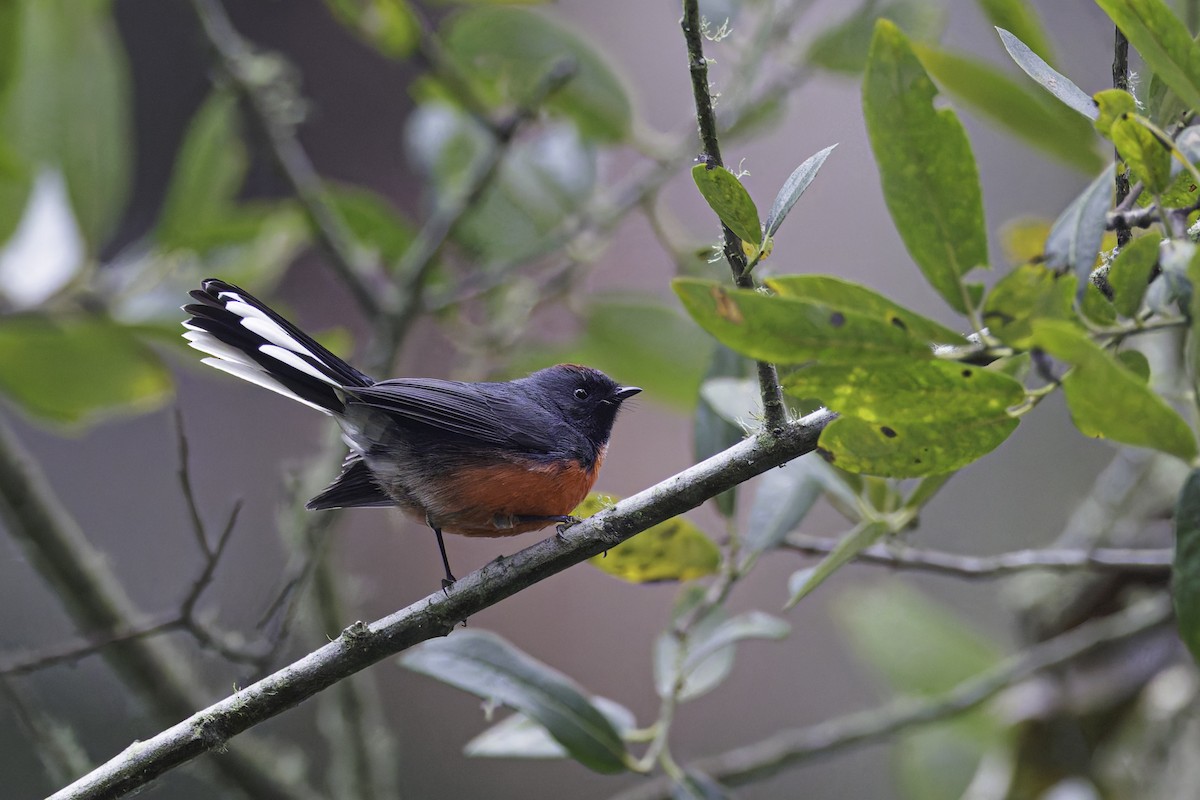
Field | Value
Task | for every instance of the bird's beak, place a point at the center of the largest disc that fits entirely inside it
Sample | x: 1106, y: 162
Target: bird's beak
x: 625, y: 392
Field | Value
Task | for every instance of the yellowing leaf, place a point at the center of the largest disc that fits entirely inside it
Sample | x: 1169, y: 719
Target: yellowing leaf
x: 675, y: 550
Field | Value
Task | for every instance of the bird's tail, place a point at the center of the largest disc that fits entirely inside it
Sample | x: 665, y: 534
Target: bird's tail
x: 246, y: 338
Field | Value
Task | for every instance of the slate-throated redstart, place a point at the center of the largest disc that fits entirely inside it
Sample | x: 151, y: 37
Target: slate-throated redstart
x: 479, y: 459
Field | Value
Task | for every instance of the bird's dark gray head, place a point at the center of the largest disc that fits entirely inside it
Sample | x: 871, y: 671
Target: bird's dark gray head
x: 588, y: 399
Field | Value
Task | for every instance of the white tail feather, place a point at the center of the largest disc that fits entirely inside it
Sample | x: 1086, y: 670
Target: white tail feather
x: 207, y: 343
x: 257, y: 376
x: 270, y: 330
x: 292, y: 360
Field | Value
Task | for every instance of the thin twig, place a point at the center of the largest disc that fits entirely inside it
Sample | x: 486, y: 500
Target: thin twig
x: 774, y: 412
x: 791, y: 747
x: 362, y: 645
x: 1152, y: 562
x: 365, y: 281
x: 1120, y: 78
x: 419, y: 258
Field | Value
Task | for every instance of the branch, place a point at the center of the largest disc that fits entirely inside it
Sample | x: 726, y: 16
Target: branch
x: 1120, y: 78
x: 1142, y: 562
x: 362, y: 645
x: 80, y: 577
x: 788, y: 748
x: 774, y: 412
x: 365, y: 283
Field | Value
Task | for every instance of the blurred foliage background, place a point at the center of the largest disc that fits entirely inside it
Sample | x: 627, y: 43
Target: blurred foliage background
x: 475, y: 190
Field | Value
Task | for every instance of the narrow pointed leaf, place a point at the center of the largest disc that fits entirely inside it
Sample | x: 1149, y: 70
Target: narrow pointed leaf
x: 490, y: 667
x: 1109, y: 401
x: 853, y: 543
x: 793, y: 188
x: 1163, y: 42
x: 517, y: 736
x: 1075, y: 237
x: 1054, y: 81
x: 1019, y: 17
x: 782, y: 499
x: 1020, y: 108
x: 923, y: 152
x: 730, y: 200
x: 709, y: 657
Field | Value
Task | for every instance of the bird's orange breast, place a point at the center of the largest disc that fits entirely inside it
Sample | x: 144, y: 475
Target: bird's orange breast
x: 483, y: 501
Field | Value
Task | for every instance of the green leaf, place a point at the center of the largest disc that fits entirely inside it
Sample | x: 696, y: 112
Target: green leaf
x: 712, y: 431
x: 1043, y: 123
x: 517, y: 736
x: 10, y: 46
x: 208, y: 173
x: 843, y: 48
x: 911, y: 449
x: 910, y: 419
x: 1017, y: 16
x: 920, y: 391
x: 1109, y: 401
x: 70, y: 107
x: 1130, y: 273
x: 846, y: 294
x: 1185, y: 572
x: 1030, y: 292
x: 1075, y: 237
x: 1163, y: 106
x: 708, y: 657
x: 918, y: 648
x: 675, y: 550
x: 76, y: 371
x: 791, y: 331
x: 16, y: 185
x: 387, y: 25
x: 1055, y: 82
x: 1148, y: 156
x: 372, y: 219
x: 1163, y: 42
x: 1136, y: 362
x: 490, y: 667
x: 1111, y: 105
x: 782, y: 499
x: 1095, y: 307
x: 545, y: 179
x: 805, y: 582
x: 923, y: 152
x: 508, y: 51
x: 793, y: 188
x: 730, y: 200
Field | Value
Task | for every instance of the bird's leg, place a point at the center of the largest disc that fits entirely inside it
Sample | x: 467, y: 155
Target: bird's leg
x: 447, y: 581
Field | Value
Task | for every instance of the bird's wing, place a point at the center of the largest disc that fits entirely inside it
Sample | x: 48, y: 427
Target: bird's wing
x: 492, y: 414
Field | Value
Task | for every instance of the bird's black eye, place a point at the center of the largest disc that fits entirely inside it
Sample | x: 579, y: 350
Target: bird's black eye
x: 581, y: 394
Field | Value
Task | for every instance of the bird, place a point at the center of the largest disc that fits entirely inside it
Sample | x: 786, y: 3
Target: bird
x: 472, y: 458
